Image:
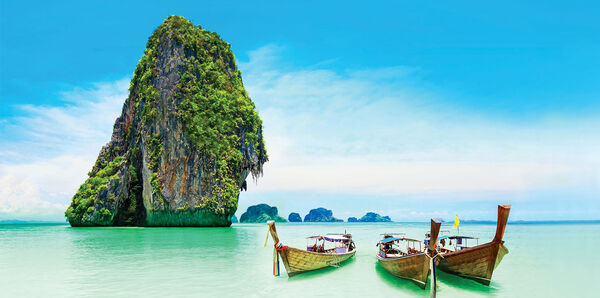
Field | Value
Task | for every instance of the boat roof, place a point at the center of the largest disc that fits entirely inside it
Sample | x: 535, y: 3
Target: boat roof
x: 388, y: 240
x: 330, y: 238
x: 456, y: 237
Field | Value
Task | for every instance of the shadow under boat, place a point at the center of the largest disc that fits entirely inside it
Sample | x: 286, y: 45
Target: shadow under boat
x: 458, y: 282
x: 307, y: 275
x: 399, y: 283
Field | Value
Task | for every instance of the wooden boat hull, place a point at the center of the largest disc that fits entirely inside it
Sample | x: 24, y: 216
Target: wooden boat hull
x: 477, y: 263
x: 413, y: 267
x: 297, y: 261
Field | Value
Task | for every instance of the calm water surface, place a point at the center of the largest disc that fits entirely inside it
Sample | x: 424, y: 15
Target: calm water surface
x: 545, y: 260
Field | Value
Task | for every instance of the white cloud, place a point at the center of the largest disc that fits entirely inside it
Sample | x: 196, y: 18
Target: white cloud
x: 376, y: 132
x: 53, y: 148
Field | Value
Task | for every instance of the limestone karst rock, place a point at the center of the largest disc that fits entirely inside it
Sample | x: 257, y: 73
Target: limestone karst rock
x: 187, y: 138
x: 320, y: 215
x: 294, y: 217
x: 374, y: 217
x: 261, y: 213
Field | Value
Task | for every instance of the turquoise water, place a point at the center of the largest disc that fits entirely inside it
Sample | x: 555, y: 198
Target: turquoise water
x: 545, y: 260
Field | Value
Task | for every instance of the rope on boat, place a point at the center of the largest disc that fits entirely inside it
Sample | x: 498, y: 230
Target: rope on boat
x: 278, y: 247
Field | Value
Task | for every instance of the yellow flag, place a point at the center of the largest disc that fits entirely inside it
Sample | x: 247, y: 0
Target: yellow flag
x: 456, y: 222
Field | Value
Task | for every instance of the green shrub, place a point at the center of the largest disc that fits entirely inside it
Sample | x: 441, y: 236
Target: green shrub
x: 83, y: 201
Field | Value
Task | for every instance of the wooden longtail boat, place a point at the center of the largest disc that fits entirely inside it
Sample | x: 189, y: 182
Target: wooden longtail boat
x: 477, y: 262
x: 297, y: 261
x: 412, y: 264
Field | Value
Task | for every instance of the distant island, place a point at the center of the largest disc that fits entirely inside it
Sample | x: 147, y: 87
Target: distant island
x: 261, y: 213
x: 187, y: 138
x: 320, y: 215
x: 294, y: 217
x: 371, y: 217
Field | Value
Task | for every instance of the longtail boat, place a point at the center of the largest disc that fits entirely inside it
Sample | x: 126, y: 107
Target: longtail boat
x: 411, y: 263
x: 476, y: 262
x: 315, y: 257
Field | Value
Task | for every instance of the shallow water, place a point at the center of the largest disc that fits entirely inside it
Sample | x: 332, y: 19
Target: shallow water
x: 544, y: 260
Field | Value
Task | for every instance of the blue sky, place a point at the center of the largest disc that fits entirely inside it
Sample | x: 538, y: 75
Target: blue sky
x: 406, y: 108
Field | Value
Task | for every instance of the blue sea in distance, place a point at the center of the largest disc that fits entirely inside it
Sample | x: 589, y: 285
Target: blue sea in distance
x: 45, y: 260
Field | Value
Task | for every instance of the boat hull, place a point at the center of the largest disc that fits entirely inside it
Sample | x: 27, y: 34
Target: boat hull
x: 413, y: 267
x: 297, y: 261
x: 476, y: 263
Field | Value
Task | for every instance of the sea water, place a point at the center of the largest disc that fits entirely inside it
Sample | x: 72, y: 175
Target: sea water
x: 544, y: 260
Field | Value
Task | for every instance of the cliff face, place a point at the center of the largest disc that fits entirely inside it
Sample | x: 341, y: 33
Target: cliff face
x: 187, y: 138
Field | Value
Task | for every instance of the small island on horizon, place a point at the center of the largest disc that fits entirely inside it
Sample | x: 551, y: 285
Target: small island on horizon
x: 262, y: 213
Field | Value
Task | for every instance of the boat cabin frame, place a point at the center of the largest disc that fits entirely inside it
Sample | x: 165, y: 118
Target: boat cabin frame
x: 456, y: 242
x: 393, y: 246
x: 341, y: 243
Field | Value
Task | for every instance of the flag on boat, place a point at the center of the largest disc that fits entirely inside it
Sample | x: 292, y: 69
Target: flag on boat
x: 456, y: 222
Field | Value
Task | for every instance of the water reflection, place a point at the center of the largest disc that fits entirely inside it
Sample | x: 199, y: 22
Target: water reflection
x: 455, y: 281
x: 400, y: 283
x: 320, y: 272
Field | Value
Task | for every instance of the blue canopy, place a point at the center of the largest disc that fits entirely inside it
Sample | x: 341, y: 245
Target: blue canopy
x: 330, y: 238
x: 388, y: 240
x: 456, y: 237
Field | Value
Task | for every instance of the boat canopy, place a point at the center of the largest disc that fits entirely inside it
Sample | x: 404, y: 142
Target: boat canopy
x: 388, y: 240
x: 330, y: 238
x: 456, y: 237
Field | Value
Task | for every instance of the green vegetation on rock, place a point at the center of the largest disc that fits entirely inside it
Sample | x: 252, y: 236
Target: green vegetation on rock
x: 84, y: 202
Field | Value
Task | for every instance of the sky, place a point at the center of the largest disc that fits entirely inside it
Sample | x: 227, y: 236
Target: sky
x: 410, y: 109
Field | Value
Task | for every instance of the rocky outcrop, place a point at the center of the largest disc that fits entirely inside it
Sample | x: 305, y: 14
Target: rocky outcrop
x: 320, y: 215
x: 234, y: 219
x: 185, y: 142
x: 261, y: 213
x: 294, y: 217
x: 352, y: 219
x: 374, y: 217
